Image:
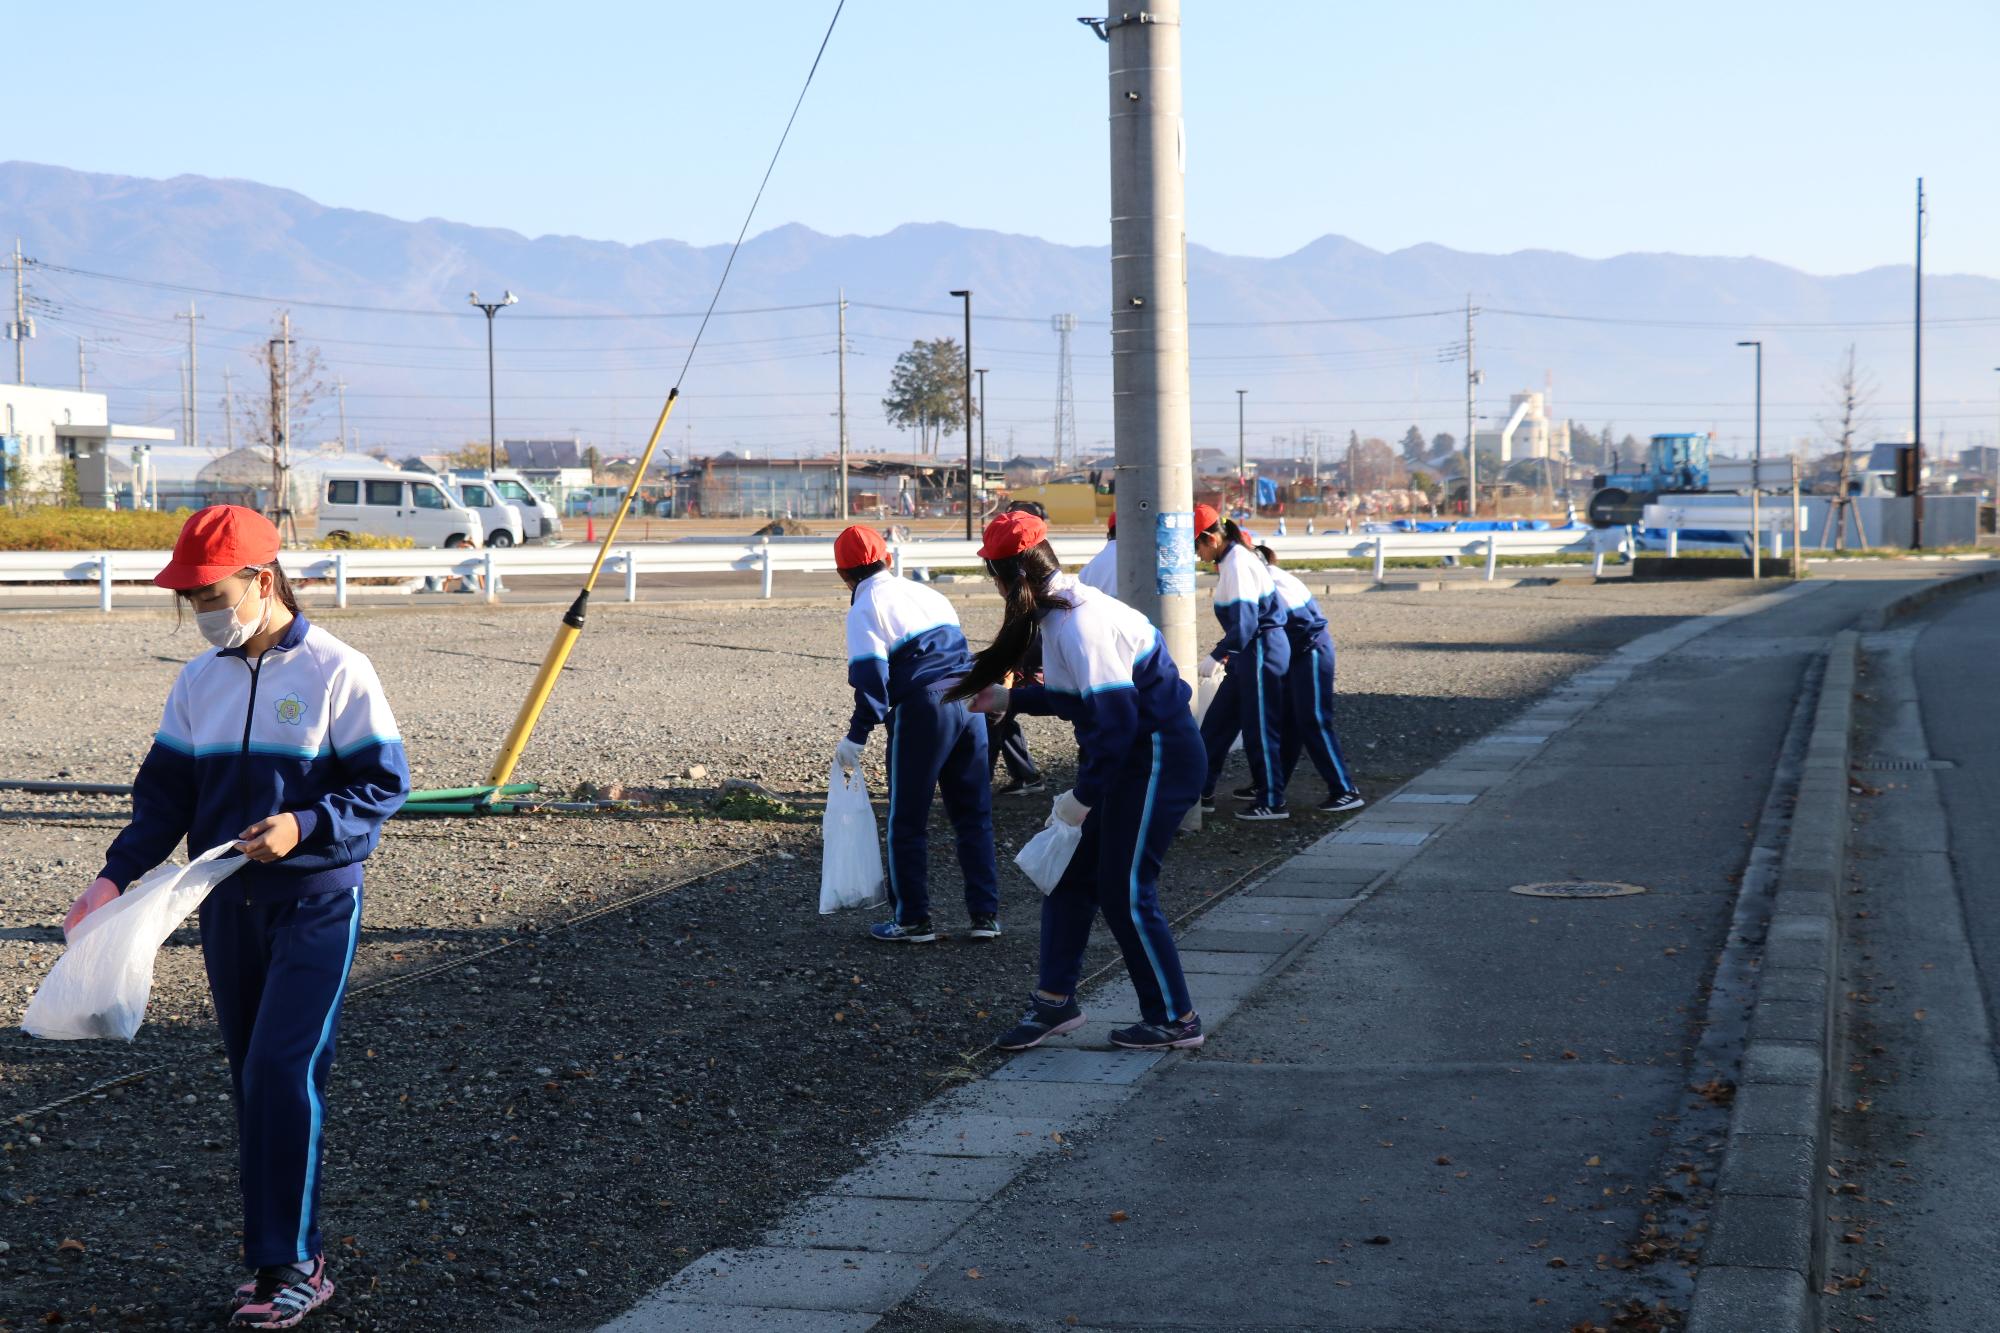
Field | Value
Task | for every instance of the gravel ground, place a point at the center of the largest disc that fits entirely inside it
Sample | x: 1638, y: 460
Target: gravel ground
x: 532, y: 1138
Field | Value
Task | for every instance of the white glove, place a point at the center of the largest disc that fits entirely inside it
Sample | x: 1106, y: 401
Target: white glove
x: 992, y: 699
x: 847, y: 754
x: 1070, y: 810
x: 1210, y: 666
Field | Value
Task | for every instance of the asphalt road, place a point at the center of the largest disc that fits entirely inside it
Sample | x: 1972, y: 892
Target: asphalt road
x: 1914, y: 1208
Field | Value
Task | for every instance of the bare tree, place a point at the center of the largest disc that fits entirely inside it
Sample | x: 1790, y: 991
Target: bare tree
x: 1852, y: 391
x: 255, y: 406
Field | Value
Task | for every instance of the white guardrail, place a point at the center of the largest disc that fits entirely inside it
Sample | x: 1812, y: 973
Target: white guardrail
x: 490, y: 569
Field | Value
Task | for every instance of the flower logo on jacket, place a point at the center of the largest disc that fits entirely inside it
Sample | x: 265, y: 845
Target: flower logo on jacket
x: 292, y: 710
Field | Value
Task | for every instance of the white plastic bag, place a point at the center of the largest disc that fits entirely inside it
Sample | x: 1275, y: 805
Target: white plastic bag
x: 1048, y: 853
x: 850, y: 863
x: 100, y: 985
x: 1205, y: 691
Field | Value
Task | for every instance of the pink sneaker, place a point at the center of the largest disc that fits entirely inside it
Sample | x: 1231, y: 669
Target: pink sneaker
x: 280, y: 1297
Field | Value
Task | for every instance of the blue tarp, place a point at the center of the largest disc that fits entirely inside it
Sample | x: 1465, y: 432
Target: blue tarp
x: 1267, y: 492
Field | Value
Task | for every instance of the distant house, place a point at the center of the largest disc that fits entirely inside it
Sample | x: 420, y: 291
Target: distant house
x: 554, y: 467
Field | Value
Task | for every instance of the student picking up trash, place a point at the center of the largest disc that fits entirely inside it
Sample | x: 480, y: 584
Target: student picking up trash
x: 904, y: 650
x: 283, y: 743
x: 1106, y: 672
x: 1254, y: 654
x: 1309, y: 695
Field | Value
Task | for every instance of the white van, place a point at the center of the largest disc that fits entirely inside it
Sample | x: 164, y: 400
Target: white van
x: 383, y: 503
x: 539, y: 519
x: 504, y: 523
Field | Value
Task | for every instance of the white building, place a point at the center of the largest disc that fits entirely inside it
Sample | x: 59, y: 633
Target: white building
x: 1528, y: 432
x: 41, y: 429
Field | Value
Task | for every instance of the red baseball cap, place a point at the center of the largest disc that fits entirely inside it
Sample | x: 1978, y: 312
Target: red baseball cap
x: 1205, y: 517
x: 858, y: 546
x: 216, y: 542
x: 1012, y: 533
x: 1111, y: 524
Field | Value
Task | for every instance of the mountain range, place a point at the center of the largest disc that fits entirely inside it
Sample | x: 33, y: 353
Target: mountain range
x: 1333, y: 338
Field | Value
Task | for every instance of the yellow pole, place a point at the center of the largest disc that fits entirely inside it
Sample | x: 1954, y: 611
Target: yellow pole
x: 572, y: 621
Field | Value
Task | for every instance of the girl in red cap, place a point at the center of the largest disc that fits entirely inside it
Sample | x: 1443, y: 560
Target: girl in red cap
x: 280, y: 741
x: 1254, y: 655
x: 904, y: 650
x: 1106, y: 672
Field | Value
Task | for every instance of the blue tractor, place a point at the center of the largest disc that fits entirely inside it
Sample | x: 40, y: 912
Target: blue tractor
x: 1675, y: 465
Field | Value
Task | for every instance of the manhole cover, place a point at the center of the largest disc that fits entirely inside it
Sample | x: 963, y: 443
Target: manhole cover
x: 1578, y: 888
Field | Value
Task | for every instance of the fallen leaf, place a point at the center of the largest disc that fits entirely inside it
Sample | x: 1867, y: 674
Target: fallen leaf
x: 1120, y: 1216
x: 974, y: 1273
x: 1442, y: 1160
x: 1920, y: 1015
x: 75, y: 1245
x: 1376, y: 1240
x: 1558, y: 1262
x: 1593, y: 1160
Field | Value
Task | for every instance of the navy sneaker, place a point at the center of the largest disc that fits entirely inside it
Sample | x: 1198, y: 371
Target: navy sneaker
x: 893, y: 932
x: 1043, y: 1020
x: 1258, y: 814
x: 1181, y: 1034
x: 985, y: 928
x: 1024, y: 786
x: 1342, y: 803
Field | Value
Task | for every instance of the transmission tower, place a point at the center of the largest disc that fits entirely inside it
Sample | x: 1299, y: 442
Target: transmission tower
x: 1064, y: 325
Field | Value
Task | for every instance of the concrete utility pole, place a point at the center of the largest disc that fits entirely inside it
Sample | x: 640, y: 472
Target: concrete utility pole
x: 340, y: 393
x: 965, y: 295
x: 1917, y: 397
x: 1152, y: 425
x: 981, y: 372
x: 1471, y: 441
x: 841, y: 355
x: 1242, y: 465
x: 22, y: 328
x: 1757, y: 470
x: 194, y: 380
x: 228, y: 412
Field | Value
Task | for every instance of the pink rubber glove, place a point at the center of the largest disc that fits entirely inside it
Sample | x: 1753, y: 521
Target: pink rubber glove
x: 100, y: 892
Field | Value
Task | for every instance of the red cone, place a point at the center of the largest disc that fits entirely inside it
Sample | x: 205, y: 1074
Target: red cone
x: 589, y: 528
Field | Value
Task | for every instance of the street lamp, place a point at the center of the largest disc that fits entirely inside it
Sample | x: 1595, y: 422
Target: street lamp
x: 1757, y: 469
x: 982, y: 425
x: 966, y: 296
x: 1242, y: 477
x: 492, y: 431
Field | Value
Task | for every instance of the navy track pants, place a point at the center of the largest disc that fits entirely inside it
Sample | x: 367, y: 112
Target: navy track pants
x: 1116, y: 871
x: 1008, y: 745
x: 1309, y: 716
x: 278, y: 971
x: 939, y: 748
x: 1251, y: 701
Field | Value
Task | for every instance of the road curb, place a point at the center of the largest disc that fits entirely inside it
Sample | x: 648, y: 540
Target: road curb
x: 1761, y: 1266
x: 1876, y: 621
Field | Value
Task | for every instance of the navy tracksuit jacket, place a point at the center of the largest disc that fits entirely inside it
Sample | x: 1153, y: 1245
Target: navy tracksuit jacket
x: 1309, y: 689
x: 904, y: 651
x: 1251, y: 698
x: 304, y: 728
x: 1107, y: 673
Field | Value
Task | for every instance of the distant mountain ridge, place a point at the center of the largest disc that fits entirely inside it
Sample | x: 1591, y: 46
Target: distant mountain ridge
x: 1654, y: 348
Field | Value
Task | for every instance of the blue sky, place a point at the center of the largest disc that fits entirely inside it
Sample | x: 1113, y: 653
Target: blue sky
x: 1783, y: 130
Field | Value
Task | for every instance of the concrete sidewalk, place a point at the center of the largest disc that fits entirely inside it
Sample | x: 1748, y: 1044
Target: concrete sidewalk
x: 1427, y: 1103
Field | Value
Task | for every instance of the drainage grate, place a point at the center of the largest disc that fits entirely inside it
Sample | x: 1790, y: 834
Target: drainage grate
x: 1579, y: 888
x: 1906, y: 765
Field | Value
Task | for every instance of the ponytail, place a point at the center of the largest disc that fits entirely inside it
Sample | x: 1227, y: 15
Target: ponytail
x: 1023, y: 582
x: 1234, y: 535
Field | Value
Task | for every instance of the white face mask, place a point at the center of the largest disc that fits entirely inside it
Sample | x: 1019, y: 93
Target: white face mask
x: 224, y: 630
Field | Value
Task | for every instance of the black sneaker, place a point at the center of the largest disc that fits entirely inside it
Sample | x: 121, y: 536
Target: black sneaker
x: 1042, y: 1020
x: 1208, y: 805
x: 1245, y: 793
x: 1182, y: 1034
x: 985, y: 928
x: 1024, y: 786
x: 891, y: 932
x: 1258, y: 814
x: 1342, y: 803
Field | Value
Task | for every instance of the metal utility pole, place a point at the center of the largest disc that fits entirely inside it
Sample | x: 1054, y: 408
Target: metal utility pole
x: 1757, y: 470
x: 1152, y: 423
x: 1917, y: 397
x: 1471, y: 440
x: 1064, y: 325
x: 21, y: 328
x: 194, y: 380
x: 842, y: 357
x: 966, y: 296
x: 981, y: 372
x: 492, y: 428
